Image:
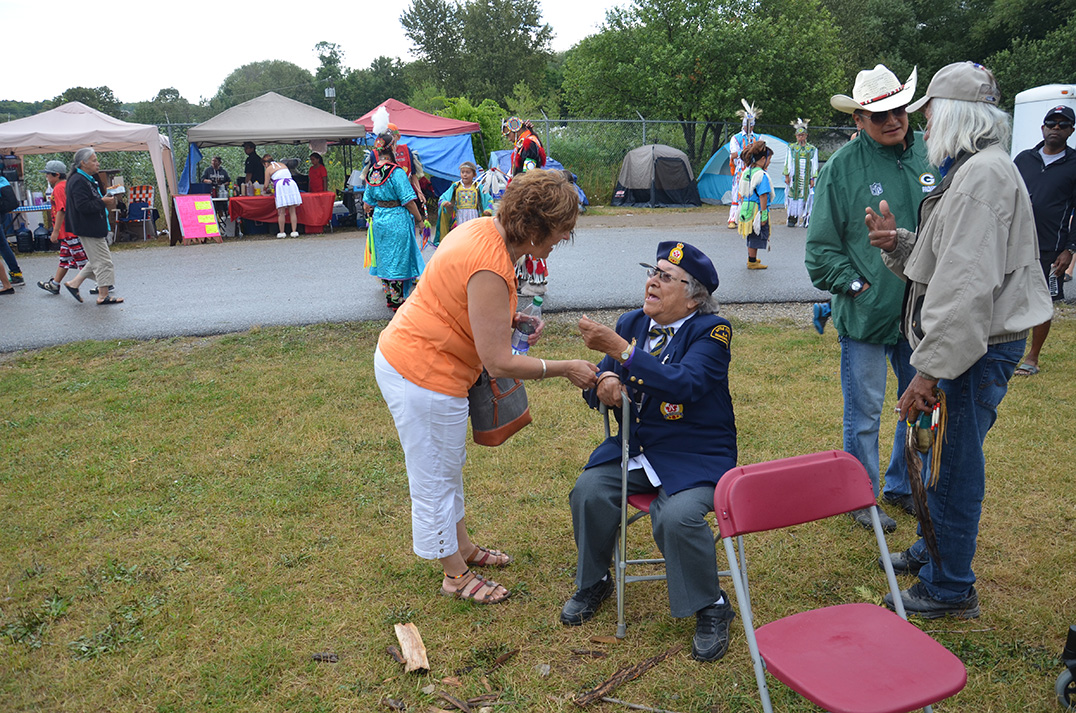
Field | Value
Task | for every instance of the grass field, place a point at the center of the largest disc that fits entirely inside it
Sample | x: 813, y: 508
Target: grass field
x: 184, y: 523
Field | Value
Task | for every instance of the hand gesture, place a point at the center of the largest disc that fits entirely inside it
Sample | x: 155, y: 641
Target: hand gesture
x: 882, y: 227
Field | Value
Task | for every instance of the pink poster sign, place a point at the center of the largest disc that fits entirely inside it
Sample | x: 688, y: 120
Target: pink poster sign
x: 197, y: 219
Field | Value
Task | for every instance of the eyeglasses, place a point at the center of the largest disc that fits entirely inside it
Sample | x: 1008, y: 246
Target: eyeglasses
x: 665, y: 277
x: 880, y: 117
x: 1055, y: 123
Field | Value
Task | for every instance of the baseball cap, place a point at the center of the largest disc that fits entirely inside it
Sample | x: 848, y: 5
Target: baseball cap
x: 55, y: 166
x: 964, y: 81
x: 1065, y: 111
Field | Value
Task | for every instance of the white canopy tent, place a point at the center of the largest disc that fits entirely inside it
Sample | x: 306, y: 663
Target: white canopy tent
x: 273, y: 119
x: 74, y: 125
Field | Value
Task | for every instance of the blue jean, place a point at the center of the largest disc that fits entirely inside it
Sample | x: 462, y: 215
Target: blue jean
x: 5, y: 249
x: 863, y: 375
x: 956, y: 502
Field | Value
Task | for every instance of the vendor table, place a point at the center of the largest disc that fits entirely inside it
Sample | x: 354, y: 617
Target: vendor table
x: 314, y: 214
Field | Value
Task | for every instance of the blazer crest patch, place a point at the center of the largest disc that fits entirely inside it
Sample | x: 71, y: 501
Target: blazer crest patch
x: 723, y: 334
x: 672, y: 412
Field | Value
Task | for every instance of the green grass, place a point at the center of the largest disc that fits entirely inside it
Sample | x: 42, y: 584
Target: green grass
x: 184, y: 522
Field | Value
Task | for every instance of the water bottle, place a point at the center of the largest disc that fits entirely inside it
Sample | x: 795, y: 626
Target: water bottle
x: 528, y: 322
x: 1051, y: 282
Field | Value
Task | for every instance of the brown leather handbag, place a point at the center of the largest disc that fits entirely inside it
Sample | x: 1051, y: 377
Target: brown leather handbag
x: 498, y: 409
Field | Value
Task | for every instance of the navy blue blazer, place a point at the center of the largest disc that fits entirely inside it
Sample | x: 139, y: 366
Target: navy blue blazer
x: 681, y: 409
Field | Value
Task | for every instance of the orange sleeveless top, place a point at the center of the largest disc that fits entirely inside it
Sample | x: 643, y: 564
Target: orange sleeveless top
x: 430, y: 341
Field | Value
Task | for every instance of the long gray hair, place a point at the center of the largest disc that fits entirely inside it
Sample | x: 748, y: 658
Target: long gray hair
x: 80, y: 156
x: 967, y: 126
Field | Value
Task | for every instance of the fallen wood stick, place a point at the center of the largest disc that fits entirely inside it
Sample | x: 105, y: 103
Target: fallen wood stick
x: 394, y: 652
x: 589, y: 652
x: 501, y: 660
x: 629, y: 673
x: 414, y: 652
x: 484, y: 698
x: 635, y: 706
x: 462, y: 705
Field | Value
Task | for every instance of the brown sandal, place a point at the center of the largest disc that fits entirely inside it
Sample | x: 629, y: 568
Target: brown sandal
x: 485, y: 557
x: 477, y: 589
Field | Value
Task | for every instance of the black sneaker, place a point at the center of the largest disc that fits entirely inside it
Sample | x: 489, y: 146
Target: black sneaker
x: 711, y: 640
x: 917, y: 602
x: 904, y: 562
x: 49, y: 286
x: 584, y: 603
x: 863, y: 518
x: 904, y: 502
x: 17, y: 278
x: 96, y: 290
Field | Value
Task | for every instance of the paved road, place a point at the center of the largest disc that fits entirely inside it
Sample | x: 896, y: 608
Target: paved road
x: 216, y: 289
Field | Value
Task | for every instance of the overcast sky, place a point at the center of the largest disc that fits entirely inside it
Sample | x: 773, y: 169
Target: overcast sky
x: 139, y: 48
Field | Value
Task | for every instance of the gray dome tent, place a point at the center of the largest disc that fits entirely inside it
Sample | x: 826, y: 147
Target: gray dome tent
x: 656, y: 176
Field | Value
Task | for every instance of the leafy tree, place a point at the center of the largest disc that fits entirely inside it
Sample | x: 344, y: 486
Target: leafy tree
x: 524, y: 103
x: 362, y: 89
x: 257, y: 78
x: 1030, y: 63
x: 478, y: 48
x: 692, y: 61
x: 487, y: 114
x: 167, y: 107
x: 99, y: 98
x: 10, y: 110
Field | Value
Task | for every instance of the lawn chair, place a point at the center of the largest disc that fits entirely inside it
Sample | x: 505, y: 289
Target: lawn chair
x: 140, y: 208
x: 848, y: 658
x: 641, y: 503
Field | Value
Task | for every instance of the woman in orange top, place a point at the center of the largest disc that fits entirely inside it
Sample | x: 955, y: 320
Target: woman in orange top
x: 458, y: 320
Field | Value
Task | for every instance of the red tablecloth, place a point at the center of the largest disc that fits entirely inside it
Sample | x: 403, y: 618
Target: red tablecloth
x: 315, y: 212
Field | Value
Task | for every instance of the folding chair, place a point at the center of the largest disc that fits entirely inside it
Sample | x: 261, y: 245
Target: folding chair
x: 140, y: 208
x: 848, y: 658
x: 641, y: 503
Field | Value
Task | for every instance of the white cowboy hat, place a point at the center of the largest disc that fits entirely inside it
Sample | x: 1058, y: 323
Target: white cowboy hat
x: 876, y: 89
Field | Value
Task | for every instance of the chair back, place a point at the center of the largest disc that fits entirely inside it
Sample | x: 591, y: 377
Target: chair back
x: 140, y: 194
x: 790, y: 491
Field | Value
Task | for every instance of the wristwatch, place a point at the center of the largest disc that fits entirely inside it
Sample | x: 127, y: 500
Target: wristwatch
x: 626, y: 354
x: 855, y: 286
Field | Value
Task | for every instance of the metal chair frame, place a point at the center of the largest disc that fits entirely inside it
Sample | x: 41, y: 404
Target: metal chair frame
x: 642, y: 506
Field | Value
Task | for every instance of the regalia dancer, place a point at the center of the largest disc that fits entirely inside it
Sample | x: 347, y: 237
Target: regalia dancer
x: 736, y: 145
x: 527, y: 155
x: 801, y: 169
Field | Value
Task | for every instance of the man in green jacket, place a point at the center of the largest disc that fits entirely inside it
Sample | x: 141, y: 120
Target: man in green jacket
x: 886, y: 162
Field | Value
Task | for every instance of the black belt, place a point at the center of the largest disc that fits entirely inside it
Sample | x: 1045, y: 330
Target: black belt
x: 388, y: 204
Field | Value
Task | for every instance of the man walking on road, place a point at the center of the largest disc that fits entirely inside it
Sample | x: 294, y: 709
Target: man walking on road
x: 887, y: 163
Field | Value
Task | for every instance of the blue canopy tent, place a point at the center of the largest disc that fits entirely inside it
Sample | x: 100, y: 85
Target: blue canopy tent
x: 715, y: 179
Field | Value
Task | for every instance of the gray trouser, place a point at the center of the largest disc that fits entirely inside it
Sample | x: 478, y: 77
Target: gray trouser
x: 677, y: 521
x: 98, y: 261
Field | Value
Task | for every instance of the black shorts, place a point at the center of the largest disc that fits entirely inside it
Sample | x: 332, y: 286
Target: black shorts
x: 1046, y: 259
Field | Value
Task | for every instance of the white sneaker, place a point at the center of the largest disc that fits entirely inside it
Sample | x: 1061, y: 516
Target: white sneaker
x: 295, y: 233
x: 282, y: 235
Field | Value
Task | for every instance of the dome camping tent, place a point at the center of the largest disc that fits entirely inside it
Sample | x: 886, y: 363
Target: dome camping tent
x: 715, y: 179
x: 655, y: 176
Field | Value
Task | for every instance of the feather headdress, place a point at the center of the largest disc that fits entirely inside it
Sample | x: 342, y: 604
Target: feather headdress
x: 749, y: 113
x: 800, y: 125
x: 381, y: 121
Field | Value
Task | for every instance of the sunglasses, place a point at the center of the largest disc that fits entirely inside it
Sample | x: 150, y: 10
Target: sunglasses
x: 1054, y: 123
x: 880, y: 117
x: 665, y: 277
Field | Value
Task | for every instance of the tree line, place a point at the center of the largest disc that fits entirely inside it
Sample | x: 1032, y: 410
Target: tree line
x: 689, y: 61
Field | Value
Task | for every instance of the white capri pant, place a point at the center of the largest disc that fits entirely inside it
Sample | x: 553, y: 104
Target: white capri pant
x: 433, y: 432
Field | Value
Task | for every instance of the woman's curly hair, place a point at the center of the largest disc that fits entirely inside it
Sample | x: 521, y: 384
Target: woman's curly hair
x: 537, y: 205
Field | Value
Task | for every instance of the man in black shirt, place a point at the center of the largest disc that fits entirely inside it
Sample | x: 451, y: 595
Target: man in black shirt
x: 254, y: 168
x: 215, y: 174
x: 1049, y: 170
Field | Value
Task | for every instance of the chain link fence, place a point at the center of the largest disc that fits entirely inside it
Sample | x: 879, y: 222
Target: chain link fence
x: 593, y: 149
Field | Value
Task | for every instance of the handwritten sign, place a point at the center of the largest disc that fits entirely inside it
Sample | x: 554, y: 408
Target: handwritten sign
x: 197, y: 219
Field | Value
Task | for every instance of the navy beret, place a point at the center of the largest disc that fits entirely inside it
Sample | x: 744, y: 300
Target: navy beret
x: 692, y: 260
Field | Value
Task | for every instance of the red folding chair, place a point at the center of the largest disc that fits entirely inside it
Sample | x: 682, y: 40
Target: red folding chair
x: 640, y: 502
x: 848, y: 658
